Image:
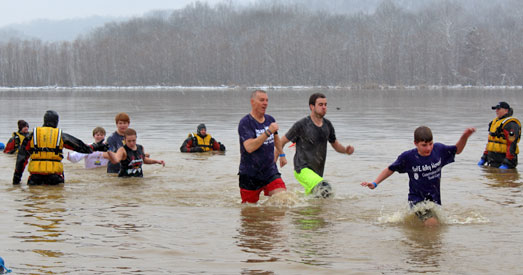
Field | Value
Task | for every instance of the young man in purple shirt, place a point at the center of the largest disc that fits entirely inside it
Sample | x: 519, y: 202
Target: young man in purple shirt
x: 423, y: 165
x: 258, y: 140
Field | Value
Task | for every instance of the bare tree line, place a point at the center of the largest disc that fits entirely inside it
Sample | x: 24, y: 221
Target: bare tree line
x: 275, y: 44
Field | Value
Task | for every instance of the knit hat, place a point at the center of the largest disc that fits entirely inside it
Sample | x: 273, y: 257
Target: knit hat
x: 22, y: 124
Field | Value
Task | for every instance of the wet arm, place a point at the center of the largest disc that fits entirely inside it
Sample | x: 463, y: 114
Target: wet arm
x: 283, y: 160
x: 284, y: 140
x: 460, y: 145
x: 115, y: 158
x: 342, y: 149
x: 381, y: 177
x: 278, y: 146
x: 253, y: 144
x: 147, y: 160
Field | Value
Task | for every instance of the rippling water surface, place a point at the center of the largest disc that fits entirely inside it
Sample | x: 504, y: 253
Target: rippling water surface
x: 187, y: 218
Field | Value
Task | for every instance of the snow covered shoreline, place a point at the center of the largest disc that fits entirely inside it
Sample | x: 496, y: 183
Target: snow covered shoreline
x: 207, y: 88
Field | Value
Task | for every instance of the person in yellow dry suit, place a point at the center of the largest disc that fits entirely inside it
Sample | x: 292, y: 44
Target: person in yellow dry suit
x: 504, y: 134
x: 201, y: 142
x: 43, y: 149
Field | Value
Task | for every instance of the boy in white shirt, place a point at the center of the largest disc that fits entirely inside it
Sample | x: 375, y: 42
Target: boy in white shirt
x: 95, y: 159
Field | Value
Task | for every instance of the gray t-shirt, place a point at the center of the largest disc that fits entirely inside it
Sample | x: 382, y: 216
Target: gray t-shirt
x: 311, y: 143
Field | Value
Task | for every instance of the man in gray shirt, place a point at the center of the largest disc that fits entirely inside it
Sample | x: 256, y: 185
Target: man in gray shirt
x: 311, y: 135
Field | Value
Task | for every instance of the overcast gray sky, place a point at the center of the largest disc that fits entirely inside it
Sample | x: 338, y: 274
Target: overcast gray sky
x: 23, y: 11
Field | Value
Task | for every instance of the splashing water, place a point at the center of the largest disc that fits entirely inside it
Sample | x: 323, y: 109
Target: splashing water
x: 408, y: 216
x: 285, y: 198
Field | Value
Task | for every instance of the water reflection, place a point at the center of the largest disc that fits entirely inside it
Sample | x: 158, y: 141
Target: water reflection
x: 499, y: 178
x: 260, y: 231
x: 44, y: 211
x: 309, y: 219
x: 502, y: 178
x: 256, y: 271
x: 45, y: 205
x: 313, y: 243
x: 122, y: 217
x: 423, y: 248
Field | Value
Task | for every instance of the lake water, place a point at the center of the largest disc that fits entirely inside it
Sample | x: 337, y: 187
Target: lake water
x: 186, y: 218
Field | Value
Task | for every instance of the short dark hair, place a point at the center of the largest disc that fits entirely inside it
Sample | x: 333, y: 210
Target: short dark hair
x: 129, y: 132
x: 422, y: 133
x: 312, y: 99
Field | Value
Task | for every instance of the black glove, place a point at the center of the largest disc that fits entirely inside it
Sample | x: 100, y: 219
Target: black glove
x: 197, y: 149
x: 222, y: 147
x: 16, y: 179
x: 100, y: 146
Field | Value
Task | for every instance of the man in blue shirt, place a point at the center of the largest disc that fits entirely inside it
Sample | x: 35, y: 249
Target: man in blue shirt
x: 258, y: 139
x: 423, y: 165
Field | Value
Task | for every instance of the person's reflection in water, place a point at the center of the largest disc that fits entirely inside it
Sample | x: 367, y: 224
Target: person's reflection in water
x: 44, y: 210
x: 308, y: 219
x: 502, y: 178
x: 423, y: 248
x: 259, y: 234
x: 313, y: 242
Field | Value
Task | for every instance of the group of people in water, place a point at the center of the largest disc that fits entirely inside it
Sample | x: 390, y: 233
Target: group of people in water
x: 42, y: 151
x: 261, y: 148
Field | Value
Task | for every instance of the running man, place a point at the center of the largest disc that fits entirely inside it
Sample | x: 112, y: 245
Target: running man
x: 258, y: 140
x: 311, y: 135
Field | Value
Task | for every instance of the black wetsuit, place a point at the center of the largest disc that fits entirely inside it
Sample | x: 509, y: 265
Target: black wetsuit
x: 132, y: 165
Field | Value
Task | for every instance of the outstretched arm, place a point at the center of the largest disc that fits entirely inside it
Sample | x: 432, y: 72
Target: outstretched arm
x: 381, y: 177
x: 75, y: 144
x: 463, y: 139
x: 75, y: 157
x: 148, y: 160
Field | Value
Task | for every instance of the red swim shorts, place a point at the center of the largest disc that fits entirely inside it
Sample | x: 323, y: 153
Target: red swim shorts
x: 252, y: 196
